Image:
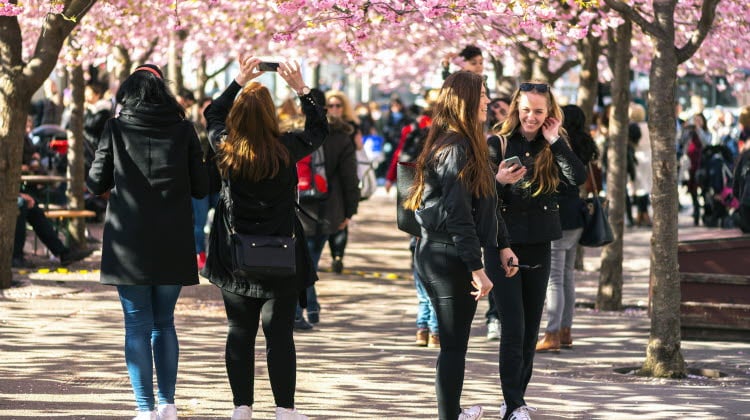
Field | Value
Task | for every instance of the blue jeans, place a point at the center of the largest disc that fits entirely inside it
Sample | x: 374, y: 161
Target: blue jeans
x: 426, y: 317
x: 315, y: 244
x: 150, y: 335
x: 561, y: 290
x: 201, y: 206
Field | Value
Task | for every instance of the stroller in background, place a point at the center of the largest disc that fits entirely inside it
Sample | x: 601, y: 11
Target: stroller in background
x: 715, y: 180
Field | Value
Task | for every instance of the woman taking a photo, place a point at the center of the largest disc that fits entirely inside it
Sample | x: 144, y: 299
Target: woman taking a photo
x: 455, y: 200
x: 528, y: 194
x: 150, y: 160
x: 258, y: 168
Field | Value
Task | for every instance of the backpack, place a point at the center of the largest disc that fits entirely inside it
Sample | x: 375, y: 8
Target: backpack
x: 312, y: 182
x: 413, y: 143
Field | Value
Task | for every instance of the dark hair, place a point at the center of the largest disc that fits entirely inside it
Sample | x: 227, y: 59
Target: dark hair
x: 145, y: 87
x: 186, y: 94
x: 97, y: 87
x: 581, y: 142
x: 469, y: 52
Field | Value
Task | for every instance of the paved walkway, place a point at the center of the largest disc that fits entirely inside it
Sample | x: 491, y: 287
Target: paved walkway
x: 61, y: 342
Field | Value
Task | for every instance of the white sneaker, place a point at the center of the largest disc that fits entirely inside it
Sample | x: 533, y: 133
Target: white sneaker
x: 521, y: 413
x: 472, y: 413
x: 146, y: 415
x: 167, y: 412
x: 289, y: 414
x: 493, y: 330
x: 242, y: 412
x: 503, y: 410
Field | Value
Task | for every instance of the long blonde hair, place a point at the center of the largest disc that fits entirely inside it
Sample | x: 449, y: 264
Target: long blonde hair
x: 546, y: 176
x: 456, y: 112
x: 251, y: 149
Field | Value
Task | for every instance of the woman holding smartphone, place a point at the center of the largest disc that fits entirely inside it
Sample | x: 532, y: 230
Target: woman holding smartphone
x: 528, y: 203
x: 454, y: 198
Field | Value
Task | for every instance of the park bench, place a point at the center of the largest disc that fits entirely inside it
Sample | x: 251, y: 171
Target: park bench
x: 61, y: 219
x: 715, y: 285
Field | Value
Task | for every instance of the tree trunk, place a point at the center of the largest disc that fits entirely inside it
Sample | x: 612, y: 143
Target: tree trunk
x: 77, y: 227
x: 18, y: 82
x: 589, y: 50
x: 663, y: 356
x: 125, y: 64
x: 609, y: 295
x: 174, y: 67
x: 13, y: 98
x: 526, y: 59
x: 505, y: 86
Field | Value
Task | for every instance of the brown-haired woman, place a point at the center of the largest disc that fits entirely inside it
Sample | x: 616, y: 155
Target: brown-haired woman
x: 259, y: 164
x: 528, y: 197
x: 455, y: 200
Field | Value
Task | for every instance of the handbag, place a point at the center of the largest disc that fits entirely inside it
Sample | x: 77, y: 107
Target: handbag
x: 596, y: 229
x: 262, y: 255
x: 406, y: 219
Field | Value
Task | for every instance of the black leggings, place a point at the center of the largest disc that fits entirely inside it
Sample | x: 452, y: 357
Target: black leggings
x: 243, y: 314
x: 520, y: 300
x: 448, y: 284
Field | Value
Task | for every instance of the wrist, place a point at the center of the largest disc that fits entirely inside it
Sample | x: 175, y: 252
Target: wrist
x: 302, y: 91
x: 553, y: 139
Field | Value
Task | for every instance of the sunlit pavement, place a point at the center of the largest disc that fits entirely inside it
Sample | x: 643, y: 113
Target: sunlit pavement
x: 61, y: 339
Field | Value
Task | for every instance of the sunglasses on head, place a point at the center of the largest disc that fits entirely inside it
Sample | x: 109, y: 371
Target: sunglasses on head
x: 334, y: 105
x: 539, y: 87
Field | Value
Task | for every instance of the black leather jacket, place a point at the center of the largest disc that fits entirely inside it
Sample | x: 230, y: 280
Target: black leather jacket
x: 450, y: 214
x: 536, y: 219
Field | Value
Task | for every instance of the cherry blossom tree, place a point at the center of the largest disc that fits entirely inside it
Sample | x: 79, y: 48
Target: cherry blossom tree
x: 20, y: 77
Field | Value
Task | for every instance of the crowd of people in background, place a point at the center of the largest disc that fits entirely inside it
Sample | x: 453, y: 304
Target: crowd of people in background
x: 498, y: 195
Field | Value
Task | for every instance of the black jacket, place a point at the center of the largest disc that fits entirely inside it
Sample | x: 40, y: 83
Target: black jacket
x: 343, y: 184
x: 450, y: 213
x: 263, y: 208
x: 532, y: 220
x: 150, y: 160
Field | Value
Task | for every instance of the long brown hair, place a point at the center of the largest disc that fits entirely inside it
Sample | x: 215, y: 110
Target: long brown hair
x: 546, y: 176
x: 251, y: 149
x: 456, y: 112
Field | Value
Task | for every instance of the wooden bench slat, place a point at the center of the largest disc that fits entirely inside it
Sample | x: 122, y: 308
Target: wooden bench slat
x: 69, y: 214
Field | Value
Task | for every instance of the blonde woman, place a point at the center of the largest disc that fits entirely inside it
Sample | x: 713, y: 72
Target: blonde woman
x: 528, y: 195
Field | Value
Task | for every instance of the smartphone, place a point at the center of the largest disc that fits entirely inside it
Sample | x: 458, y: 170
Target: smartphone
x: 513, y: 160
x: 268, y: 66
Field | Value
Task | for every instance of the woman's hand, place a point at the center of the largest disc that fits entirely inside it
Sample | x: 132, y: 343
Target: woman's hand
x: 551, y: 129
x: 509, y: 174
x: 292, y: 75
x: 248, y: 70
x: 506, y: 256
x: 481, y: 283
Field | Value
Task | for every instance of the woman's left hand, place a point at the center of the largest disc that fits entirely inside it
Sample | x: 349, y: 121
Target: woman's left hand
x: 292, y: 75
x: 248, y: 70
x: 551, y: 129
x: 481, y: 283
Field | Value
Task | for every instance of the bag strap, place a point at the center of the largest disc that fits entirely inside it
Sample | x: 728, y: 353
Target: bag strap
x: 503, y: 147
x: 593, y: 180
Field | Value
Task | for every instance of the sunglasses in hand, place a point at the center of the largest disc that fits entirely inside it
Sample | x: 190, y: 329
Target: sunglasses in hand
x: 526, y: 266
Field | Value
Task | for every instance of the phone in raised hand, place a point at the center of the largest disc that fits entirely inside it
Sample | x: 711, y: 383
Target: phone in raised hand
x: 268, y: 66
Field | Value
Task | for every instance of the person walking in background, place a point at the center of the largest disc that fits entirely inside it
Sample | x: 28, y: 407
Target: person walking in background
x: 340, y: 108
x: 643, y: 172
x: 149, y: 160
x: 561, y: 290
x: 258, y: 168
x: 532, y: 133
x: 202, y: 206
x: 331, y: 215
x: 454, y: 199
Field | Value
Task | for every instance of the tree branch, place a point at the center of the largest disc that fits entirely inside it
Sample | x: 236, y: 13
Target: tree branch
x: 708, y: 14
x: 55, y: 28
x: 630, y: 13
x: 220, y: 70
x: 554, y: 75
x: 146, y: 54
